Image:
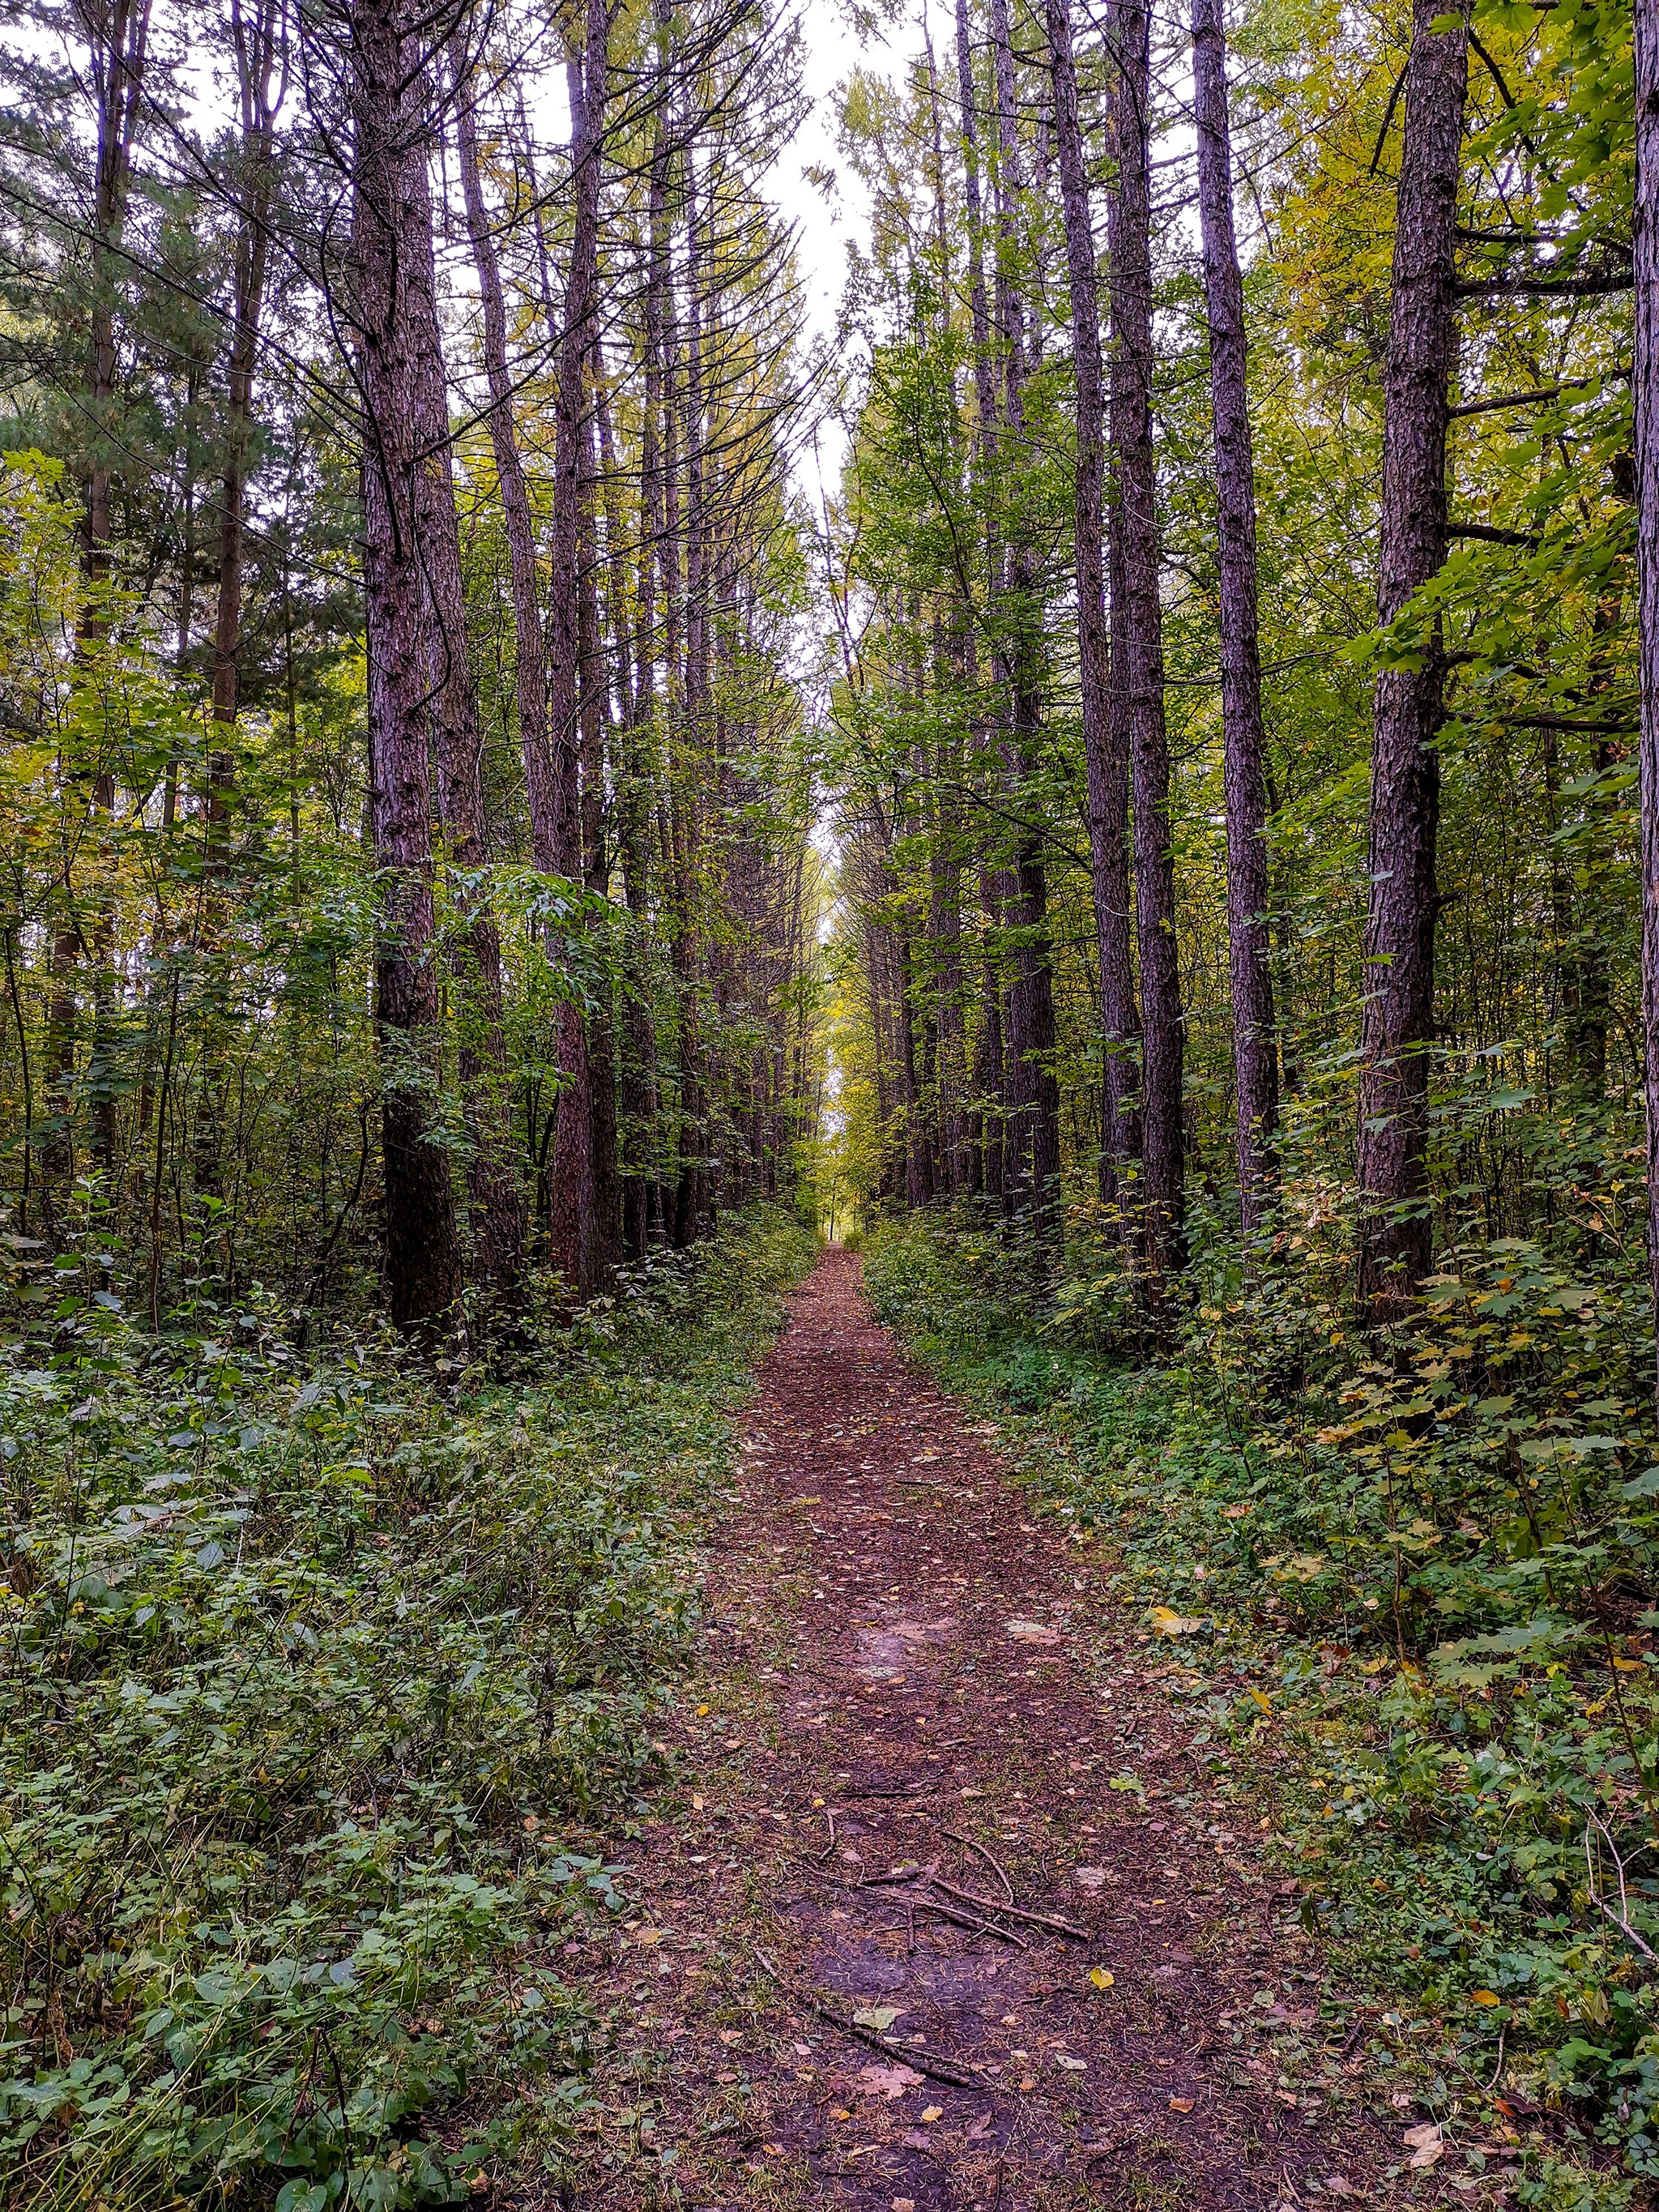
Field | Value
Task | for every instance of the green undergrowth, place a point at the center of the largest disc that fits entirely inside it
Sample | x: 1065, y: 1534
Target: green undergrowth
x: 1404, y: 1601
x: 312, y: 1667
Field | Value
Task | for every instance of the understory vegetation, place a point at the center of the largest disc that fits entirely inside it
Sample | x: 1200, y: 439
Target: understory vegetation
x: 322, y: 1678
x: 1405, y: 1601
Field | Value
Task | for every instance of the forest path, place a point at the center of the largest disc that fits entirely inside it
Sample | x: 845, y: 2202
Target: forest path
x: 892, y: 1684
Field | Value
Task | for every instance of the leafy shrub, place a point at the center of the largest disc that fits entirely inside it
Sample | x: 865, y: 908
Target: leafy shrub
x: 306, y: 1667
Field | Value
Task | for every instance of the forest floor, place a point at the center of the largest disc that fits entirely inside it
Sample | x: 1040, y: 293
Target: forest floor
x: 905, y: 1935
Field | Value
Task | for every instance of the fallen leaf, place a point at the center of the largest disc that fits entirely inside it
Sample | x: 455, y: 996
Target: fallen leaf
x: 880, y: 2017
x: 1183, y: 2104
x: 1234, y: 1512
x: 1101, y: 1978
x: 1166, y: 1621
x: 731, y: 2035
x: 1256, y: 1698
x: 725, y: 2077
x: 841, y: 2112
x: 1031, y: 1632
x: 1337, y: 2185
x: 977, y: 2128
x: 1088, y: 1877
x: 1485, y: 1998
x: 889, y: 2081
x: 1427, y: 2145
x: 1072, y: 2065
x: 905, y: 2204
x: 773, y: 2150
x: 932, y: 2112
x: 649, y: 1935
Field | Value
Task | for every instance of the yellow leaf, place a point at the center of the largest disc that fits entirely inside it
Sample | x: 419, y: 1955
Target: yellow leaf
x: 1181, y: 2104
x: 1101, y: 1978
x: 1627, y: 1666
x: 1485, y: 1998
x: 932, y: 2112
x: 702, y: 1709
x: 1266, y: 1704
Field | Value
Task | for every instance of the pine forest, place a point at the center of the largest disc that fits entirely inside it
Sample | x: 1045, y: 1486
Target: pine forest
x: 732, y: 735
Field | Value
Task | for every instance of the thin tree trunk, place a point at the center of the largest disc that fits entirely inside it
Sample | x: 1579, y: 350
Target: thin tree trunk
x: 1140, y: 668
x: 1106, y: 763
x: 529, y: 676
x: 1034, y: 1093
x: 1646, y: 242
x: 1395, y: 1231
x: 1254, y: 1053
x: 392, y: 251
x: 571, y: 1224
x: 256, y: 41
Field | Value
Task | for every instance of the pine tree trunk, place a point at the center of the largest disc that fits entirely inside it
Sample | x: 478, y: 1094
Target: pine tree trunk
x: 1254, y: 1055
x: 1646, y: 243
x: 393, y: 241
x: 256, y: 52
x: 1032, y: 1173
x: 1138, y: 669
x: 1396, y: 1232
x: 1106, y: 763
x: 529, y: 674
x: 571, y: 1225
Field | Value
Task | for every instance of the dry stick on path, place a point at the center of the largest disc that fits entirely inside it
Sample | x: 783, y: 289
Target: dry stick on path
x: 979, y: 1851
x: 936, y: 2070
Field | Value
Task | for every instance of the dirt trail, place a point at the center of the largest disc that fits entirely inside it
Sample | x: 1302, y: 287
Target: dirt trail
x: 892, y: 1687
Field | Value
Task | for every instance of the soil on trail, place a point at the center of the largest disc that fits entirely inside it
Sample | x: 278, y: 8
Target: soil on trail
x: 896, y: 1943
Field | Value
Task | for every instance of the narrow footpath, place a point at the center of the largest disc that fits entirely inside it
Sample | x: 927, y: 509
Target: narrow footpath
x: 899, y: 1944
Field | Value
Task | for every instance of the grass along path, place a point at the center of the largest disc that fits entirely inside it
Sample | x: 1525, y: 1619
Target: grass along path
x: 942, y: 1913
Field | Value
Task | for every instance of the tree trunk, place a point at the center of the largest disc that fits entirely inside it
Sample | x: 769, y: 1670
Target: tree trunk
x: 1646, y: 243
x: 571, y: 1225
x: 1140, y: 668
x: 530, y: 676
x: 257, y: 46
x: 392, y: 243
x: 1396, y: 1232
x: 1033, y: 1181
x: 1106, y: 762
x: 1254, y: 1053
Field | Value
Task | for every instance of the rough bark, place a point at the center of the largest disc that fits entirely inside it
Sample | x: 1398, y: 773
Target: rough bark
x: 495, y: 1207
x: 1647, y: 565
x: 1138, y: 669
x: 256, y: 36
x: 1106, y: 762
x: 392, y: 242
x: 571, y: 1225
x: 528, y: 674
x: 1243, y: 745
x: 1032, y: 1183
x: 1396, y: 1232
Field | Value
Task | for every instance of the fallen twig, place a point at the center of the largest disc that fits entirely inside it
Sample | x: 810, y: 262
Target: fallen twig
x: 936, y: 2070
x: 979, y: 1851
x: 970, y: 1921
x: 1017, y: 1912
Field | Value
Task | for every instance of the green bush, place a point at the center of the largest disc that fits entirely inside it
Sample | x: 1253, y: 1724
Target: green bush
x: 307, y: 1666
